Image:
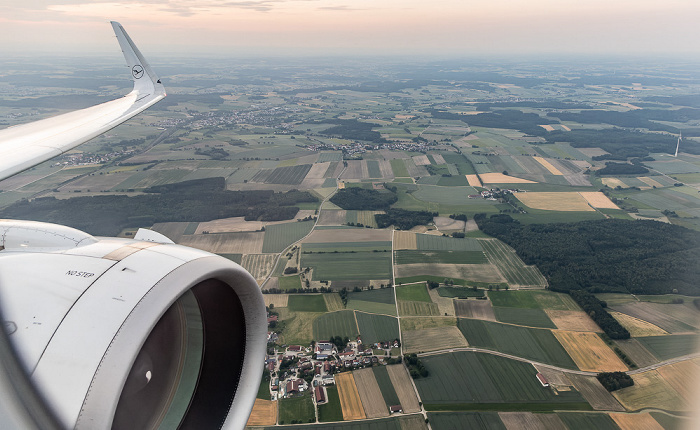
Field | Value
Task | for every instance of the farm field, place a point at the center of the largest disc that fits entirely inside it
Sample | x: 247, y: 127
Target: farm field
x: 259, y: 265
x: 359, y: 265
x: 650, y: 390
x: 682, y: 376
x: 466, y: 420
x: 349, y: 397
x: 528, y: 420
x: 474, y: 272
x: 345, y: 247
x: 667, y: 347
x: 292, y: 175
x: 637, y: 352
x: 413, y: 308
x: 307, y: 303
x: 299, y: 326
x: 264, y: 413
x: 589, y: 352
x: 584, y: 421
x: 460, y: 379
x: 523, y: 316
x: 299, y: 408
x: 340, y: 323
x: 500, y: 178
x: 420, y: 323
x: 642, y: 421
x: 514, y: 299
x: 375, y: 328
x: 289, y: 282
x: 428, y: 242
x: 415, y: 292
x: 401, y: 383
x: 333, y: 302
x: 512, y: 267
x: 331, y: 411
x: 379, y: 300
x: 224, y: 225
x: 389, y: 396
x: 280, y: 236
x: 350, y: 234
x: 432, y: 339
x: 672, y: 318
x: 226, y: 243
x: 477, y: 309
x: 555, y: 201
x: 446, y: 257
x: 637, y: 327
x: 535, y: 344
x: 459, y: 292
x: 445, y: 305
x: 405, y: 240
x: 572, y: 320
x: 370, y: 394
x: 595, y: 393
x: 278, y: 300
x: 598, y: 200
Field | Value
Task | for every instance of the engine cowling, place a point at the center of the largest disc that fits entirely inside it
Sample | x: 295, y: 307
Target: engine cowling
x: 131, y: 333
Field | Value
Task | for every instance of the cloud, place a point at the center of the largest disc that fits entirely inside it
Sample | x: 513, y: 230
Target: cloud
x: 342, y: 8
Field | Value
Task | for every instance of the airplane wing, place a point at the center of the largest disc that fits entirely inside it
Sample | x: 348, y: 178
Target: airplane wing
x: 25, y: 146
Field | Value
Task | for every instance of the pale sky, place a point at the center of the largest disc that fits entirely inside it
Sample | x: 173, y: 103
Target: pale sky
x: 376, y: 27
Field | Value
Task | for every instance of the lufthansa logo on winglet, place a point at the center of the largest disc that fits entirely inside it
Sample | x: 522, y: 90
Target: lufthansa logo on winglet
x: 137, y: 71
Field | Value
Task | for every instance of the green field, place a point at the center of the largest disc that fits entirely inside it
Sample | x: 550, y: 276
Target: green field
x: 532, y: 343
x: 399, y: 168
x: 280, y: 236
x: 584, y: 421
x: 439, y: 279
x: 236, y: 258
x: 512, y: 267
x: 346, y: 246
x: 429, y: 242
x: 453, y: 181
x: 289, y: 282
x: 414, y: 292
x: 414, y: 308
x: 462, y: 378
x: 331, y: 411
x: 298, y: 409
x: 385, y: 386
x: 411, y: 422
x: 459, y: 292
x: 378, y: 301
x: 191, y: 228
x: 667, y: 347
x: 375, y: 328
x: 264, y: 390
x: 359, y: 265
x: 514, y: 299
x: 340, y: 323
x: 292, y: 175
x: 523, y: 316
x: 373, y: 169
x: 446, y: 257
x: 466, y: 420
x: 307, y: 303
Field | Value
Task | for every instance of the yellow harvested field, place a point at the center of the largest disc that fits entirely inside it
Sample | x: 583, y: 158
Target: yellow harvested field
x: 637, y: 327
x: 614, y: 182
x: 500, y: 178
x: 228, y: 225
x: 341, y: 185
x: 565, y: 127
x: 682, y: 377
x: 589, y: 352
x: 279, y: 300
x: 636, y: 421
x: 651, y: 182
x: 553, y: 201
x: 348, y: 235
x: 547, y: 165
x: 333, y: 302
x: 226, y: 243
x: 349, y: 397
x: 421, y: 160
x: 473, y: 180
x: 432, y: 339
x: 370, y: 394
x: 572, y: 320
x: 547, y: 127
x: 404, y: 240
x: 650, y: 390
x: 598, y: 200
x: 264, y: 413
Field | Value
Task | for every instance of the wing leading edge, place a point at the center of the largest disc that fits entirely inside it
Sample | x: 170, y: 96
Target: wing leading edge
x: 24, y: 146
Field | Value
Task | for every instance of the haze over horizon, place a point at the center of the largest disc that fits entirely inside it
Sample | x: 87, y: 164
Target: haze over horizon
x: 361, y: 27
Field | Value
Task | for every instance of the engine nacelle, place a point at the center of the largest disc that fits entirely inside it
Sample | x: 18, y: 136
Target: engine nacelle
x: 130, y: 333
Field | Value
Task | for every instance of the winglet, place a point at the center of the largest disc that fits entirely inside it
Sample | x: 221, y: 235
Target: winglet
x: 146, y: 82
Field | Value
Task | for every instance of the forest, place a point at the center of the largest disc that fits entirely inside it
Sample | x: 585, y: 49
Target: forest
x: 622, y: 169
x: 404, y: 219
x: 353, y: 129
x: 528, y: 123
x: 611, y: 255
x: 595, y: 309
x: 194, y: 201
x: 625, y: 143
x: 360, y: 199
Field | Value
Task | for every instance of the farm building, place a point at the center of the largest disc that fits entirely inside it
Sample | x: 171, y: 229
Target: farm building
x: 320, y: 395
x: 542, y: 379
x: 396, y: 409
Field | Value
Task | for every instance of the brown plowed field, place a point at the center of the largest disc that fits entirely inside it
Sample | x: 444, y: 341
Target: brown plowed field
x: 477, y: 309
x: 528, y: 421
x: 349, y: 397
x: 264, y: 413
x: 228, y: 225
x: 572, y: 320
x: 370, y: 394
x: 330, y: 217
x: 636, y: 422
x: 432, y: 339
x: 404, y: 388
x: 595, y: 394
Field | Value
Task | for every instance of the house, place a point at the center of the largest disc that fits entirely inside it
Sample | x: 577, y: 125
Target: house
x: 395, y: 409
x: 323, y: 350
x: 273, y: 318
x: 295, y: 386
x: 320, y: 395
x: 294, y: 348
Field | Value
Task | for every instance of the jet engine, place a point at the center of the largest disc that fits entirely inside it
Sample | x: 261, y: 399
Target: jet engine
x: 130, y: 333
